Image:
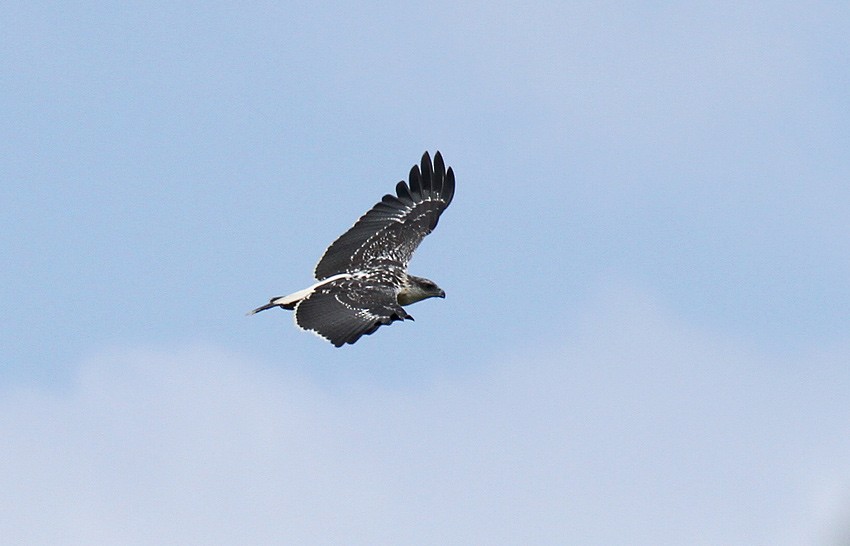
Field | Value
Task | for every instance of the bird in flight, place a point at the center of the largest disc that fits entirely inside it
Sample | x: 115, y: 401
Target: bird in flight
x: 362, y: 277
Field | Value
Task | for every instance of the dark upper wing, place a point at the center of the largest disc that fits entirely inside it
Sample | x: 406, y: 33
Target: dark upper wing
x: 393, y: 228
x: 343, y: 310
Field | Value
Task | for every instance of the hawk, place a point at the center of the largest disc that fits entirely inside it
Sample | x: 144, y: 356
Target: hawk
x: 362, y: 277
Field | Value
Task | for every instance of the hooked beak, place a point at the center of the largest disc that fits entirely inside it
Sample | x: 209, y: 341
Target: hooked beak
x: 442, y: 293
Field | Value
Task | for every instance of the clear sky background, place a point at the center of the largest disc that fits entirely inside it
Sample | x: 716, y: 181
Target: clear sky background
x: 645, y: 336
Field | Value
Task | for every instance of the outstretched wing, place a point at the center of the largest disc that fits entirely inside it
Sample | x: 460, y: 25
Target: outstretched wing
x: 343, y: 310
x: 390, y: 232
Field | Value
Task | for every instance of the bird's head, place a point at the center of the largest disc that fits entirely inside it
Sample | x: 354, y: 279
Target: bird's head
x: 418, y: 289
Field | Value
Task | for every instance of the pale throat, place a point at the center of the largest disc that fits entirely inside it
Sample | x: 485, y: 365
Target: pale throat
x: 412, y: 294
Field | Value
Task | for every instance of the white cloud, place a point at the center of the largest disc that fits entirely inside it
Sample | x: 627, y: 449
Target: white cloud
x: 634, y: 430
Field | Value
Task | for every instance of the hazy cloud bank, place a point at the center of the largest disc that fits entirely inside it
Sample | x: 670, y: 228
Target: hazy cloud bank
x: 631, y: 429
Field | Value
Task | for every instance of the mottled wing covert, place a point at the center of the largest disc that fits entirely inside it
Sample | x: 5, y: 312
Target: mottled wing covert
x: 345, y: 309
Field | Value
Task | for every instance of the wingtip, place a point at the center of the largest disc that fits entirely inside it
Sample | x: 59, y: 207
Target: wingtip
x: 446, y: 190
x: 415, y: 182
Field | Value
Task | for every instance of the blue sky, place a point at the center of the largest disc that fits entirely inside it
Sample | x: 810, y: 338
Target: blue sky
x: 645, y: 334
